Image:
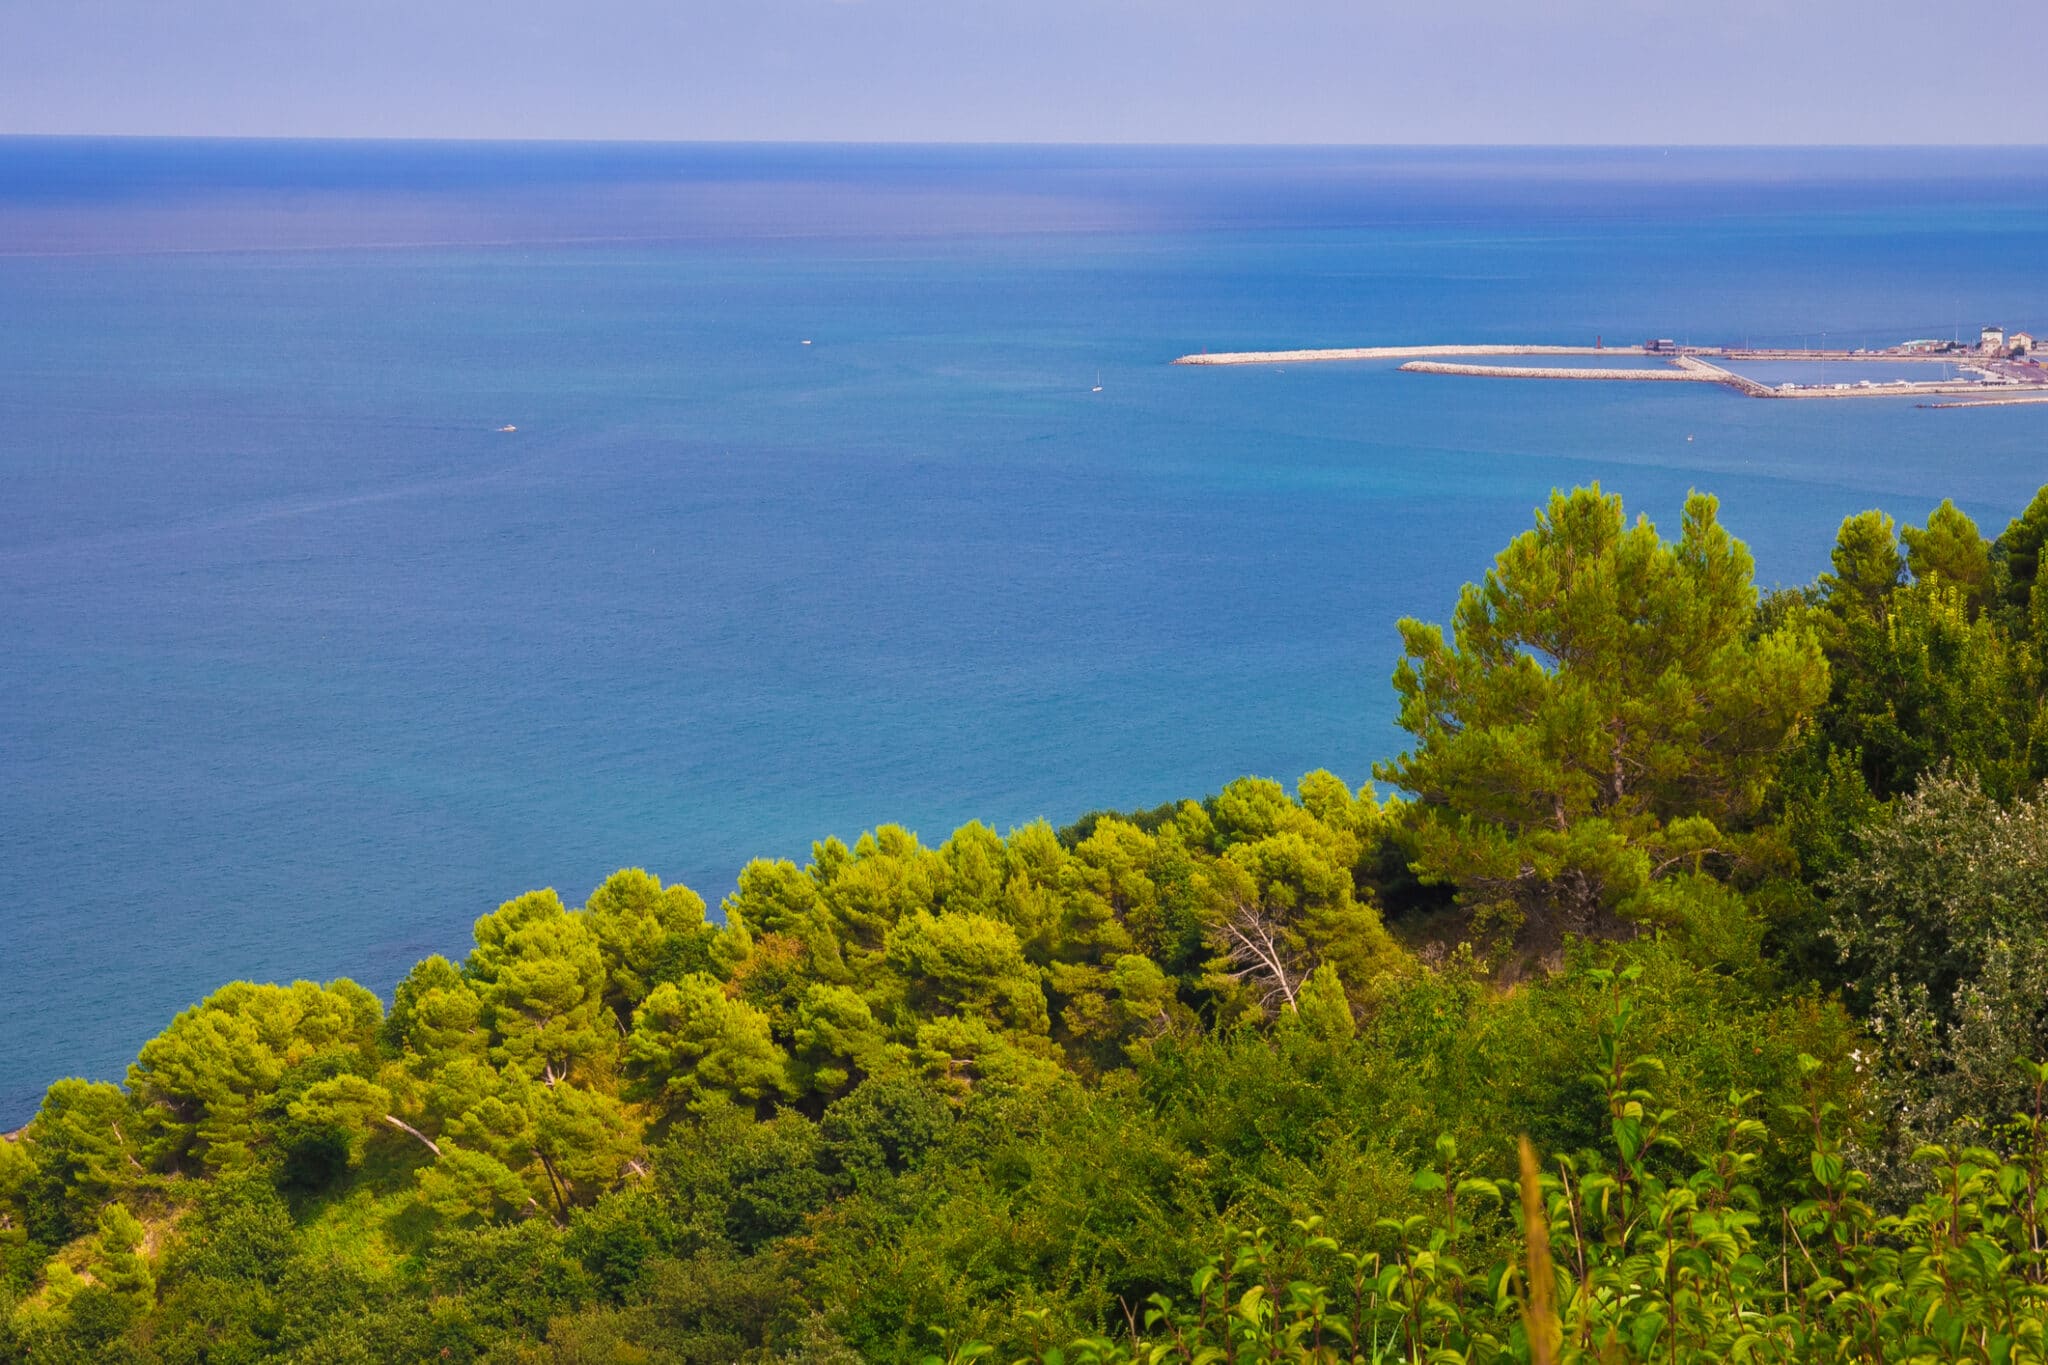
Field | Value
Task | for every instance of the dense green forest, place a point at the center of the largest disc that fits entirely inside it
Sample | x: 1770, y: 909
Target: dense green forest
x: 1685, y: 997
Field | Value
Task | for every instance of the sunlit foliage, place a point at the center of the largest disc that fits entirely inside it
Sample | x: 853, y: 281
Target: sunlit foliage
x: 1684, y: 1002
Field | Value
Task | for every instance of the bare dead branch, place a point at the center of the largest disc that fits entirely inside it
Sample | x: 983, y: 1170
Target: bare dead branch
x: 402, y: 1126
x: 1251, y: 948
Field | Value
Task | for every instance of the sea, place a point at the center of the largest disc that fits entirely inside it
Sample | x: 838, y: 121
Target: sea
x: 389, y: 528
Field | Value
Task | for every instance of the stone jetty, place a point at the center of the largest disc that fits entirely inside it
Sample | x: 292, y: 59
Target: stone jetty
x: 1392, y: 353
x: 1987, y: 403
x: 1553, y: 372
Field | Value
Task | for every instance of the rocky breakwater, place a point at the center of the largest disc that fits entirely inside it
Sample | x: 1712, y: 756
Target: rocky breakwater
x: 1392, y: 353
x: 1683, y: 376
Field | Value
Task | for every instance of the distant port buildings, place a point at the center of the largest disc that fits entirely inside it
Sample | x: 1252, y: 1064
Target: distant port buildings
x: 1996, y: 341
x: 2002, y: 368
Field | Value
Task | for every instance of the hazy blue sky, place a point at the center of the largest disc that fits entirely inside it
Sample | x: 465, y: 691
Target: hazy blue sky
x: 1656, y: 71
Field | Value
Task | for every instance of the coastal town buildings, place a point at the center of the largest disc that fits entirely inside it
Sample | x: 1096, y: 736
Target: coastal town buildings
x: 1996, y: 341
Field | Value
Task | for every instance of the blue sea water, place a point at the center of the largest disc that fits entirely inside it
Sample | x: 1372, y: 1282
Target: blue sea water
x: 306, y: 665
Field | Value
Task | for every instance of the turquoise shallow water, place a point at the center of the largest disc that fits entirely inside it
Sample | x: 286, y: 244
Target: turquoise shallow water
x: 307, y: 665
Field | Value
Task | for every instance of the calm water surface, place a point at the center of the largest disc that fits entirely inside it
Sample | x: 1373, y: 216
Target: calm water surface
x: 307, y: 665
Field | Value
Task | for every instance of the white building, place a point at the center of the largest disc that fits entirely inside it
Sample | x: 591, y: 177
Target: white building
x: 1991, y: 340
x: 2020, y: 342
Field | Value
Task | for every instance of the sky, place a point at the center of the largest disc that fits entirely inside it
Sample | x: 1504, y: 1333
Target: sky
x: 1203, y: 71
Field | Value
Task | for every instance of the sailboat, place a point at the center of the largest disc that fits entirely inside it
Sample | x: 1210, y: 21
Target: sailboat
x: 1098, y: 383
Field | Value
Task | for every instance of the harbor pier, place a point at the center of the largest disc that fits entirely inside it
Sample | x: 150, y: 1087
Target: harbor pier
x: 2003, y: 379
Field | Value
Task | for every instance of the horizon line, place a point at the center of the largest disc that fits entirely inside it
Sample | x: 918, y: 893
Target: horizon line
x: 1268, y: 145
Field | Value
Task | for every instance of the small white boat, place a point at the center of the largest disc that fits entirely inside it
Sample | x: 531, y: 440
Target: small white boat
x: 807, y: 341
x: 508, y: 427
x: 1098, y: 383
